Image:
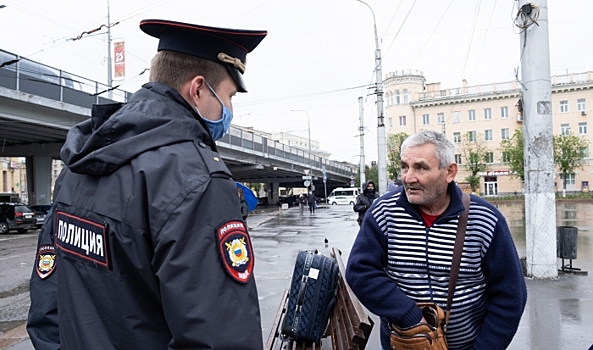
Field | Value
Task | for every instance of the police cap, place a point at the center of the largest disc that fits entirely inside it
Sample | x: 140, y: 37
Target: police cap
x: 228, y: 47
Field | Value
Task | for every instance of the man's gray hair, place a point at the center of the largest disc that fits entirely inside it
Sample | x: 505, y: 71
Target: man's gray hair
x: 444, y: 149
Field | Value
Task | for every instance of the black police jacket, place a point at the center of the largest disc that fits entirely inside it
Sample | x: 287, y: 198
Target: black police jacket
x: 151, y: 251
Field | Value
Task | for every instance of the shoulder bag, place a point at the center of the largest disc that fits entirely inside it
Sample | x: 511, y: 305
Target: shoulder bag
x: 430, y: 335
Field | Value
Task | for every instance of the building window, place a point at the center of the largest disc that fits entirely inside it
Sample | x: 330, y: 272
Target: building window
x: 458, y: 159
x: 487, y: 114
x: 457, y: 137
x: 565, y: 129
x: 425, y: 119
x: 390, y: 122
x: 455, y: 117
x: 402, y: 120
x: 506, y: 157
x: 472, y: 115
x: 581, y: 105
x: 489, y: 158
x: 504, y: 134
x: 583, y: 128
x: 586, y: 152
x: 488, y: 135
x: 570, y: 179
x: 563, y: 106
x: 396, y: 97
x: 405, y: 96
x: 441, y: 118
x: 471, y: 136
x: 504, y: 112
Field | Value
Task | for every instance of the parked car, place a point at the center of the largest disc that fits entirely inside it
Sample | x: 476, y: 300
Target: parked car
x: 40, y: 213
x: 340, y: 200
x: 16, y: 216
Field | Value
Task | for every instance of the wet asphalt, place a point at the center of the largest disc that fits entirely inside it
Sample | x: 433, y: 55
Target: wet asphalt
x: 558, y: 315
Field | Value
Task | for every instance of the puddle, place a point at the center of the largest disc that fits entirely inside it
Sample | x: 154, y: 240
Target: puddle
x: 6, y: 326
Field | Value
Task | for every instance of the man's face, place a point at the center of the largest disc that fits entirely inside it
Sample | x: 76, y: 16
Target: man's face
x: 423, y: 181
x: 370, y: 186
x: 210, y: 107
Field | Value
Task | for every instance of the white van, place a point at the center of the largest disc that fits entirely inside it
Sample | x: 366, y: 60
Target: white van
x: 343, y: 195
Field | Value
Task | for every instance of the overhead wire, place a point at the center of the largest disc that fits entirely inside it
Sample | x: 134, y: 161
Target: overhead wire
x: 485, y: 35
x: 400, y: 28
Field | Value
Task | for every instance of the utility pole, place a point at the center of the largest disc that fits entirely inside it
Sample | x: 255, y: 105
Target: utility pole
x: 381, y: 139
x: 540, y: 202
x: 361, y: 129
x: 109, y: 63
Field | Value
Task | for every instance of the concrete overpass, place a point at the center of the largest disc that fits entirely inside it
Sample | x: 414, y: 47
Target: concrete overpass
x: 39, y: 104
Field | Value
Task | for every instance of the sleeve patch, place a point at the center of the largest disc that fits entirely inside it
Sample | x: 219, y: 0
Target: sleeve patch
x: 46, y: 261
x: 82, y: 238
x: 235, y: 250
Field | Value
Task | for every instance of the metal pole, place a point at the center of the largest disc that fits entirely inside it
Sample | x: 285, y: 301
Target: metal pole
x: 109, y: 68
x: 361, y: 129
x: 309, y: 130
x: 540, y: 202
x: 381, y: 139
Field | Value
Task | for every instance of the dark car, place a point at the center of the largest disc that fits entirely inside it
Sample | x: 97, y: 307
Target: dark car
x: 16, y: 216
x: 40, y: 213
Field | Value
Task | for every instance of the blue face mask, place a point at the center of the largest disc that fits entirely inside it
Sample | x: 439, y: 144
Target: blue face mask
x: 218, y: 128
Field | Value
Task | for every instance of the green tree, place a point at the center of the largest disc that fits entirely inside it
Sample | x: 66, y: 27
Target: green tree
x: 370, y: 174
x: 512, y: 150
x: 394, y: 144
x: 475, y: 157
x: 570, y: 152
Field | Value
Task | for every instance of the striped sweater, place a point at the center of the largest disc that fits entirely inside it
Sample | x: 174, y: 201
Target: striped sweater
x: 397, y: 261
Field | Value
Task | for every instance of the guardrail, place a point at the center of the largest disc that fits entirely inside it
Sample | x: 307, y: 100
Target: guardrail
x: 22, y: 74
x: 252, y: 141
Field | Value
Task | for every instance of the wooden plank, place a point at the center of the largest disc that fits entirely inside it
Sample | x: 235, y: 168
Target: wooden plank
x: 275, y: 331
x: 359, y: 316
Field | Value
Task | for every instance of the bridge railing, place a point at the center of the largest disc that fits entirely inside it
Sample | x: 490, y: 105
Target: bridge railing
x: 21, y: 74
x: 252, y: 141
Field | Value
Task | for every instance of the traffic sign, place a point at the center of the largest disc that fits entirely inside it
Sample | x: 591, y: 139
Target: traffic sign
x: 307, y: 183
x: 306, y: 177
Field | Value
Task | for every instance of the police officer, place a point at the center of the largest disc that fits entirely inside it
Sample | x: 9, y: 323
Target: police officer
x: 145, y: 247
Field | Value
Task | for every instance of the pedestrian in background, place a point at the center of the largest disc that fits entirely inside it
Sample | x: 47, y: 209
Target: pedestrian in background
x: 365, y: 200
x: 403, y: 252
x: 146, y: 248
x: 312, y: 201
x: 302, y: 202
x: 244, y: 208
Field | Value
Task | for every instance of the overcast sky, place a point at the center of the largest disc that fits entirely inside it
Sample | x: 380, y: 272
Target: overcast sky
x: 318, y: 55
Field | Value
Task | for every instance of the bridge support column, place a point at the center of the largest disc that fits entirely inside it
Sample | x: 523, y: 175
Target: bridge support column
x: 273, y: 193
x: 39, y: 179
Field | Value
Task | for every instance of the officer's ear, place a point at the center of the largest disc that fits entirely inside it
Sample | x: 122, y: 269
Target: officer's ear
x: 197, y: 87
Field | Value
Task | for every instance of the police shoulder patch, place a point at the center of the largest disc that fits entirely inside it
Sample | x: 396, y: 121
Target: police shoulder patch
x: 46, y: 260
x: 235, y: 250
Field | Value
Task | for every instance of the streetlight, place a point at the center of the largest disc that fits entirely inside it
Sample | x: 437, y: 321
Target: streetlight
x: 309, y: 130
x: 381, y: 143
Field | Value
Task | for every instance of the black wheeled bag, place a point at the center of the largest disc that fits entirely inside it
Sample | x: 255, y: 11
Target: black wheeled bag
x: 311, y: 298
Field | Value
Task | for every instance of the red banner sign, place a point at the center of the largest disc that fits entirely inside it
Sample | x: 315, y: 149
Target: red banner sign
x: 119, y: 58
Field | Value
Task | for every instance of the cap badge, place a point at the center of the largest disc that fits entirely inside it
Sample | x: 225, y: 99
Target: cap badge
x: 232, y: 60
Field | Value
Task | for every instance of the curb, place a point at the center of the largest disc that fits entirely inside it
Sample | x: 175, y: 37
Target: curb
x: 13, y: 336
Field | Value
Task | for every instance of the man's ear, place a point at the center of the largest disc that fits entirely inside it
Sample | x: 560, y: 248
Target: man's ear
x: 196, y: 87
x: 451, y: 171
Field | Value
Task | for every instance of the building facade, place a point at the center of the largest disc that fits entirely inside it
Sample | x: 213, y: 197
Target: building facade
x: 491, y: 112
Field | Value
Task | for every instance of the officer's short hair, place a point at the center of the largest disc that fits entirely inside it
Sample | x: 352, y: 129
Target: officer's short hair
x: 175, y: 69
x: 444, y: 149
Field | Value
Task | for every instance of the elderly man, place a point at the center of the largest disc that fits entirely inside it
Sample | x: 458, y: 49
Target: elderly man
x: 145, y: 247
x: 402, y: 254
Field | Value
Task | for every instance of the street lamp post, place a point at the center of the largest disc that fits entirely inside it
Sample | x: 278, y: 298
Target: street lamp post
x: 309, y: 131
x: 381, y: 139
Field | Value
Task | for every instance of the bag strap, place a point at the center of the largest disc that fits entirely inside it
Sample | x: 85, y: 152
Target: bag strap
x: 457, y: 251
